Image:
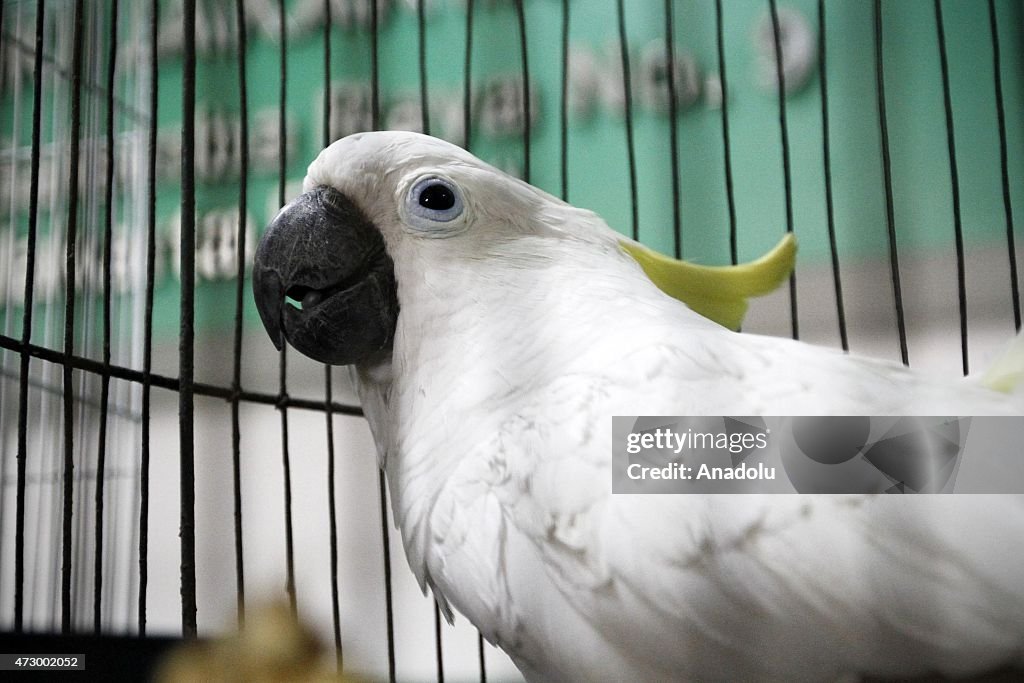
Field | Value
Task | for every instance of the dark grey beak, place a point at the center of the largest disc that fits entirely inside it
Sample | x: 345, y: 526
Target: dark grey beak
x: 324, y: 282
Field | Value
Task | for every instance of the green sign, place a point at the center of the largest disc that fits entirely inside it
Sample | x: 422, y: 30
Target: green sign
x: 597, y: 160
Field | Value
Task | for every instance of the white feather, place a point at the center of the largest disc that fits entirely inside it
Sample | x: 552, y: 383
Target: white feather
x: 520, y: 336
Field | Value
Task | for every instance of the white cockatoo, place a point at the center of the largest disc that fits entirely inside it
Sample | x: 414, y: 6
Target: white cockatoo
x: 495, y: 330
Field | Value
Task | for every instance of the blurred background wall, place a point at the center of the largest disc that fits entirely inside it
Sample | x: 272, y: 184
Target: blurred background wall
x: 377, y: 79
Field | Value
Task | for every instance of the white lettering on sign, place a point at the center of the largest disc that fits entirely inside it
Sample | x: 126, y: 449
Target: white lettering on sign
x: 797, y: 43
x: 216, y: 257
x: 653, y: 74
x: 217, y: 32
x: 218, y: 156
x: 497, y: 109
x: 595, y: 79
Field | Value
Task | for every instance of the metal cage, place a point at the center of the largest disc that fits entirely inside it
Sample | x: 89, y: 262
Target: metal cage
x: 85, y: 156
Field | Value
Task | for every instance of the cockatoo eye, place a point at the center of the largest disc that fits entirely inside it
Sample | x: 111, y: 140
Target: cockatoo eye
x: 437, y: 197
x: 432, y: 202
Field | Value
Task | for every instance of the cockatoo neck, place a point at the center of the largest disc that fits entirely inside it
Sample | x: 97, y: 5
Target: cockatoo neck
x: 489, y: 324
x: 479, y: 335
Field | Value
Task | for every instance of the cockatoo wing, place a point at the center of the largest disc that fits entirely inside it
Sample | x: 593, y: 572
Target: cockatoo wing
x: 746, y: 587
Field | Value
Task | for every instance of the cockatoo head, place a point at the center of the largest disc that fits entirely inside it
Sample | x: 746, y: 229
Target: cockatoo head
x: 379, y: 203
x: 387, y: 216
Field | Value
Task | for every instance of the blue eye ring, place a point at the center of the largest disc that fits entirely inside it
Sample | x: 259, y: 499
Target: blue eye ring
x: 434, y: 201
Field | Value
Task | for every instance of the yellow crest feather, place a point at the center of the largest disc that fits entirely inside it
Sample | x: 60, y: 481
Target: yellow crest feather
x: 1006, y: 374
x: 719, y: 293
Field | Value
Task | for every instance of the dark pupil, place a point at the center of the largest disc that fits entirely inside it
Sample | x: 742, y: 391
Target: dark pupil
x: 437, y: 197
